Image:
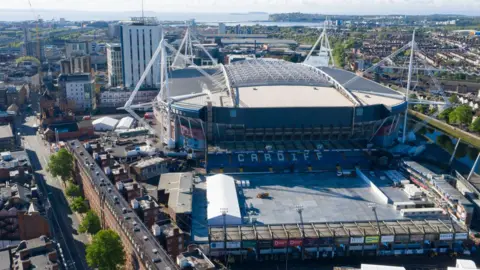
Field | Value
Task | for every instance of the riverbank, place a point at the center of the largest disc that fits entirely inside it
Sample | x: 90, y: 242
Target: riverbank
x: 451, y: 130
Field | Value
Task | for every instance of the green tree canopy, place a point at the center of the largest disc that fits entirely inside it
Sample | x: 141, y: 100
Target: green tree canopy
x: 475, y: 126
x: 453, y: 99
x: 444, y: 114
x: 461, y: 115
x: 106, y: 251
x: 72, y: 190
x: 90, y: 223
x: 421, y: 108
x: 61, y: 164
x: 79, y: 205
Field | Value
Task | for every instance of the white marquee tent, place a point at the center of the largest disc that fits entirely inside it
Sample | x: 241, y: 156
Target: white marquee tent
x: 222, y: 195
x: 104, y: 124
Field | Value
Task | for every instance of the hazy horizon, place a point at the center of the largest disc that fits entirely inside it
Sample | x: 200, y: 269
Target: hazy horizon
x: 121, y: 9
x: 75, y: 15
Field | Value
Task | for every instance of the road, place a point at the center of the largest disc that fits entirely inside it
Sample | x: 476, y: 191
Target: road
x: 65, y: 223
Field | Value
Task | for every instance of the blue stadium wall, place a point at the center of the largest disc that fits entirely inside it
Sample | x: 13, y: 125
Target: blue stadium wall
x: 338, y: 117
x: 296, y: 117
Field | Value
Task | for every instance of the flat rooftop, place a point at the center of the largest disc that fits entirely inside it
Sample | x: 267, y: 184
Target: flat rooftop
x: 324, y: 197
x: 5, y: 131
x: 291, y: 96
x: 372, y: 99
x: 395, y: 194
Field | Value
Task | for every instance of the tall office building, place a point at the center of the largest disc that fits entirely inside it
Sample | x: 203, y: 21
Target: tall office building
x: 222, y: 29
x: 114, y: 62
x: 32, y: 48
x: 139, y: 40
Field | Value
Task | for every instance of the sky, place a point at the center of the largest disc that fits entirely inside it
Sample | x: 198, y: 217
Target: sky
x: 410, y: 7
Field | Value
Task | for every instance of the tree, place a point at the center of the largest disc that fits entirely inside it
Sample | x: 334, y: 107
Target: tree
x: 475, y: 126
x: 72, y: 190
x: 90, y: 223
x: 106, y: 251
x: 61, y: 164
x: 461, y: 115
x: 444, y: 114
x: 453, y: 99
x: 79, y: 205
x: 421, y: 108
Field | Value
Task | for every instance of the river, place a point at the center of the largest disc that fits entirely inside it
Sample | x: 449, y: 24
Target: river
x: 442, y: 147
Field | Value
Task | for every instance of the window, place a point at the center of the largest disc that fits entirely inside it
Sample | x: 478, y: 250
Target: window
x: 233, y: 113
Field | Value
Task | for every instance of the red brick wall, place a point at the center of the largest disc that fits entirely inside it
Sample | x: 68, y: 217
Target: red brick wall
x: 106, y: 217
x: 32, y: 226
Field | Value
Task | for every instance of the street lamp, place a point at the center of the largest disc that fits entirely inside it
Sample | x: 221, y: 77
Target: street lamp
x: 299, y: 209
x: 224, y: 212
x: 373, y: 206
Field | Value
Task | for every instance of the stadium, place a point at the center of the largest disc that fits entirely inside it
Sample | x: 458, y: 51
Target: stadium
x: 266, y: 114
x: 291, y: 152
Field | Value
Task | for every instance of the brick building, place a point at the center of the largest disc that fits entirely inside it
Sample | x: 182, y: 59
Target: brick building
x: 147, y: 209
x: 175, y: 191
x: 38, y: 253
x: 173, y: 239
x: 148, y: 168
x: 113, y: 211
x: 7, y: 140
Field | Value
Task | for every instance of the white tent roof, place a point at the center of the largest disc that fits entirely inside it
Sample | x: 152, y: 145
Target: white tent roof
x: 125, y: 123
x: 106, y: 122
x: 222, y: 194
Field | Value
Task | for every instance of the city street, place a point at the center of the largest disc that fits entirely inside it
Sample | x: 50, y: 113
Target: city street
x: 65, y: 223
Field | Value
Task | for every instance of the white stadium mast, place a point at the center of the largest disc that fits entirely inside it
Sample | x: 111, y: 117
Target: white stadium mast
x: 163, y: 101
x: 186, y: 47
x: 414, y: 50
x: 322, y: 56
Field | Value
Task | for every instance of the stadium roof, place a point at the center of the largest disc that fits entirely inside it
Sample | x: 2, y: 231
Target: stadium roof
x: 222, y: 84
x: 255, y: 72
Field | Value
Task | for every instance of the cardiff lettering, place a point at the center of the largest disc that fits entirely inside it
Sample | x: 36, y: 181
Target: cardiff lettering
x: 277, y: 157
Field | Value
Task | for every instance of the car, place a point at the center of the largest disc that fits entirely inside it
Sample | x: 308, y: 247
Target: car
x: 124, y: 210
x: 87, y: 117
x: 156, y: 260
x: 155, y: 251
x: 145, y: 238
x: 109, y: 190
x: 97, y: 173
x: 81, y: 153
x: 136, y: 229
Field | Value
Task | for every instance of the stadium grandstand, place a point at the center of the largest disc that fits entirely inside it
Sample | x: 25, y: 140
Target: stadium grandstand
x: 276, y: 114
